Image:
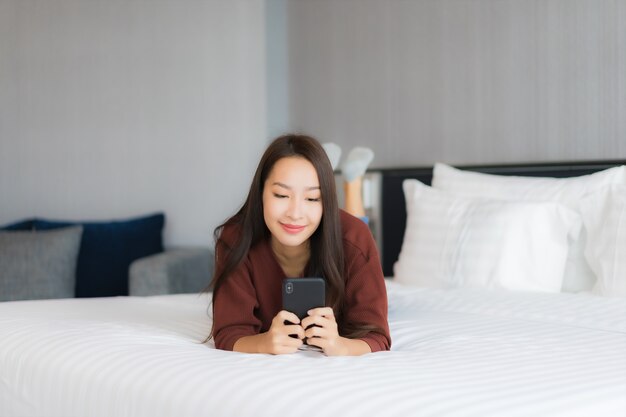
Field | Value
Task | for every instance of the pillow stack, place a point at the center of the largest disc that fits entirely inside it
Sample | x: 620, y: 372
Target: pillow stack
x: 108, y: 248
x: 58, y: 259
x: 525, y: 233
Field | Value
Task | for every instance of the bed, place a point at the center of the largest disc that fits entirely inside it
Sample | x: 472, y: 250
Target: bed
x: 464, y: 350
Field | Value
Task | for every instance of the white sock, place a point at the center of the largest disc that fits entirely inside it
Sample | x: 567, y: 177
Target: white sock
x: 356, y: 163
x: 334, y: 153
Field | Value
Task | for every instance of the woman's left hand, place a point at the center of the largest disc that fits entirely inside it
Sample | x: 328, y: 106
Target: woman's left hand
x: 325, y: 333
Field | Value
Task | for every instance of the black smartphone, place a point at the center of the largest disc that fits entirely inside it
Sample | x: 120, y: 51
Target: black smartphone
x: 302, y: 294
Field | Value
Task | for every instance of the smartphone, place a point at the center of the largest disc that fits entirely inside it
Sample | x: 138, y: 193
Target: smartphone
x: 302, y: 294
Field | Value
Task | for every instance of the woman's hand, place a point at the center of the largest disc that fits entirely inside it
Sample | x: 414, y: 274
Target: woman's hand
x: 277, y: 339
x: 321, y: 330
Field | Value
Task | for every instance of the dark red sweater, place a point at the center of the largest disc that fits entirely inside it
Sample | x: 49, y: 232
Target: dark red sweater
x: 252, y: 295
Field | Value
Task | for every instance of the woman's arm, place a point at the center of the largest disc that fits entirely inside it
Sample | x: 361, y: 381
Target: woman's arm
x: 365, y: 293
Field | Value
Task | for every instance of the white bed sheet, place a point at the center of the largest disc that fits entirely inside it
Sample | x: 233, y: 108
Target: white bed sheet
x: 454, y: 353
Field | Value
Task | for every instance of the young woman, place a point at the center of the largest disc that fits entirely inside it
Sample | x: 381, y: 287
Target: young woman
x: 290, y: 226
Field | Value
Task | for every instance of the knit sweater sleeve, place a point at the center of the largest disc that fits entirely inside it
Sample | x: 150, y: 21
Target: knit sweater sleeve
x: 366, y: 294
x: 234, y: 307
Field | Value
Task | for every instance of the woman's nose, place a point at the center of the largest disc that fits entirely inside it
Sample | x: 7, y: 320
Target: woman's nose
x: 295, y: 208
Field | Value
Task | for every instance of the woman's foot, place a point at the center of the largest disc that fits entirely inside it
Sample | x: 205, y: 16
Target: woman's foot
x: 356, y: 163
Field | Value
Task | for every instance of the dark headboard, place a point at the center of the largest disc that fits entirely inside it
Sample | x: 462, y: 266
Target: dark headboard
x: 393, y: 208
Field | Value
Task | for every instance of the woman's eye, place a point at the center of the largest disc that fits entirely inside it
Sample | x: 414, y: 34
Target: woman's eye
x: 280, y: 195
x: 314, y: 199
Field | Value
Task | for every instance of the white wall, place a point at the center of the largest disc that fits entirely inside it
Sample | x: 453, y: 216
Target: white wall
x: 117, y: 108
x: 461, y: 81
x: 277, y: 67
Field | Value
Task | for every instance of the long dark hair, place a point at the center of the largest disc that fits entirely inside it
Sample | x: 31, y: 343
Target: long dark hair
x: 327, y: 256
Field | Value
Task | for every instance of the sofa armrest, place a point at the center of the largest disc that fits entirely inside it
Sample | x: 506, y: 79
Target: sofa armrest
x: 181, y: 270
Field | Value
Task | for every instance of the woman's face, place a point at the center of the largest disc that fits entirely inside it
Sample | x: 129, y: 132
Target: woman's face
x: 292, y: 201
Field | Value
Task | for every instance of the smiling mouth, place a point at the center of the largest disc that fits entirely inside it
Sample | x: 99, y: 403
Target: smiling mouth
x: 292, y: 228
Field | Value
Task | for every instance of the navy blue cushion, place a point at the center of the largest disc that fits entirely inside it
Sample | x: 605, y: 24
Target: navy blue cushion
x: 21, y: 225
x: 107, y: 250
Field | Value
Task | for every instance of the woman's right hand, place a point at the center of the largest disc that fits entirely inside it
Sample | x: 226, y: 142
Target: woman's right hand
x: 278, y: 339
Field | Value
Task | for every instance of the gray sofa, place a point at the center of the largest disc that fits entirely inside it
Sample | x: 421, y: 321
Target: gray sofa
x: 175, y: 271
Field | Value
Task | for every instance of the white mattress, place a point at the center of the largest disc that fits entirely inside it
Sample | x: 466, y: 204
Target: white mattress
x: 455, y: 353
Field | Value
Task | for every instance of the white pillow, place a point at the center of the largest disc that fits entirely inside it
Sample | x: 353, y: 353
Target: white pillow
x: 453, y: 241
x: 604, y: 214
x: 568, y: 191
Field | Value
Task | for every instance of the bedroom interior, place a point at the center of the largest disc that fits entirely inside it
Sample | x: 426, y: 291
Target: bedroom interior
x: 497, y: 197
